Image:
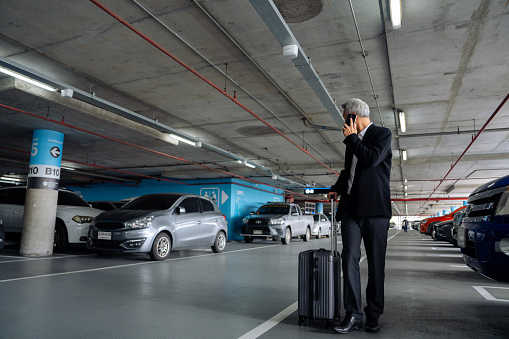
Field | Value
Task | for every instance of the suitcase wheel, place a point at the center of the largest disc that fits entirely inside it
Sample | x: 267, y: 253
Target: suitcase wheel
x: 302, y: 320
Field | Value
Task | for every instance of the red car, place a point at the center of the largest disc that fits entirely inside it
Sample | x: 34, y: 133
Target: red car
x: 426, y: 224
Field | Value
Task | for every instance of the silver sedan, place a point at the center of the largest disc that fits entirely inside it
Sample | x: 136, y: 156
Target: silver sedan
x: 158, y: 223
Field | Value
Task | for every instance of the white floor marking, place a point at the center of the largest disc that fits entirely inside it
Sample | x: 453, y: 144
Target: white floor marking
x: 258, y: 331
x: 482, y: 291
x: 135, y: 264
x: 43, y: 258
x: 452, y: 249
x: 275, y: 320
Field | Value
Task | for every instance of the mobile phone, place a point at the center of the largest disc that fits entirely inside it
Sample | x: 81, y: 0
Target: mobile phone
x: 352, y: 116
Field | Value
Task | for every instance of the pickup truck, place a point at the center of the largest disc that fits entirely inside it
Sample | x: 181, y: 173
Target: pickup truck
x: 277, y: 220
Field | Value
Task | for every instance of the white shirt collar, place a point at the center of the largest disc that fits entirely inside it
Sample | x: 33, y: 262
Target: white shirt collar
x: 361, y: 134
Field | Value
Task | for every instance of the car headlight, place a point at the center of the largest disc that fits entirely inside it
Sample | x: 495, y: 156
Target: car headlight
x: 277, y: 221
x: 139, y: 223
x: 502, y: 246
x: 82, y: 219
x: 503, y: 203
x: 245, y: 220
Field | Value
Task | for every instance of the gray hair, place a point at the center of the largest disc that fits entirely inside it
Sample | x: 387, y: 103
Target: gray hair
x: 356, y: 106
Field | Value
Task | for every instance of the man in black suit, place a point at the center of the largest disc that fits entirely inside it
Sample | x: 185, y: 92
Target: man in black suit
x: 364, y: 210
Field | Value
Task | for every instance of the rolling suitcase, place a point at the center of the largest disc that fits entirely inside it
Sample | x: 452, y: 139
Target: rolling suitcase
x: 320, y: 281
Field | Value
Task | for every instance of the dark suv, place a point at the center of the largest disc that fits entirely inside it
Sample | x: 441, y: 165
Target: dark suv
x: 484, y: 233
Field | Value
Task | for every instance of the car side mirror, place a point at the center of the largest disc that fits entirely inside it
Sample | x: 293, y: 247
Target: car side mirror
x: 295, y: 213
x: 181, y: 210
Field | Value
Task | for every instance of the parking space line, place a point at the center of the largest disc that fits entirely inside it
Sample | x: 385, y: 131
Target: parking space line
x: 482, y: 291
x: 446, y: 248
x: 128, y: 265
x: 258, y: 331
x: 43, y: 258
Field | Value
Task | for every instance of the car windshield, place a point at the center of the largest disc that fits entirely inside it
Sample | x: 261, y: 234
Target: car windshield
x: 152, y: 202
x: 273, y: 209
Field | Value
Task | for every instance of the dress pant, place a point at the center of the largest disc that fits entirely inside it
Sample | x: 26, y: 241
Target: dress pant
x: 373, y: 230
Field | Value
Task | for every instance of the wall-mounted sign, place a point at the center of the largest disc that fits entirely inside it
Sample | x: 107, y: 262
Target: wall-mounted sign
x: 45, y: 159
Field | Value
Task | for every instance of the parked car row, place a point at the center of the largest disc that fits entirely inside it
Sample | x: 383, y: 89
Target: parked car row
x: 428, y: 223
x: 156, y: 224
x: 480, y: 230
x: 153, y: 224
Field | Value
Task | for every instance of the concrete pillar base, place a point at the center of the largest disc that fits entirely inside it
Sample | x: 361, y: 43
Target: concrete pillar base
x: 39, y: 223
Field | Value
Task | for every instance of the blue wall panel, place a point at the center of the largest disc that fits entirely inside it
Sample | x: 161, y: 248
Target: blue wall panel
x: 236, y: 198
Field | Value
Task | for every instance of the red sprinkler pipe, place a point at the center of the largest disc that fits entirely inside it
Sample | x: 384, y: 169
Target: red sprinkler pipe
x: 473, y: 140
x: 424, y: 199
x: 142, y: 148
x: 189, y: 68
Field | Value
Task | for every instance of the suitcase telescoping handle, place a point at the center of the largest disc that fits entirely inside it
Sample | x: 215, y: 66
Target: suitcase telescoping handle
x: 334, y: 235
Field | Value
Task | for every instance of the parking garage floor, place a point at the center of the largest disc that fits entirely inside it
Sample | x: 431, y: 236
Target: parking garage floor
x: 248, y: 291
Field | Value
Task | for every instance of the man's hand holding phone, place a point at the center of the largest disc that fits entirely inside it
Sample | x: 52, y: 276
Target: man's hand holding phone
x: 349, y: 127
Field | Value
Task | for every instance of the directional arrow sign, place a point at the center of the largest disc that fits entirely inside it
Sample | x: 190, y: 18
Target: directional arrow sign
x: 224, y: 197
x: 55, y: 152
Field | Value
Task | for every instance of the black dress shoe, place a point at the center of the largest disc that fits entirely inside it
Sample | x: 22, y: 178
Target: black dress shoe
x: 348, y: 323
x: 372, y: 325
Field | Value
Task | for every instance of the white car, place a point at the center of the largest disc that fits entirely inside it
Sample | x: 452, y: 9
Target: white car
x: 321, y: 225
x: 74, y: 215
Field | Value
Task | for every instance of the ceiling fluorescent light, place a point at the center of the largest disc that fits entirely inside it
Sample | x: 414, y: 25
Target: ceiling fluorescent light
x: 27, y: 79
x: 403, y: 152
x: 395, y: 13
x: 187, y: 141
x: 402, y: 122
x: 9, y: 179
x: 249, y: 165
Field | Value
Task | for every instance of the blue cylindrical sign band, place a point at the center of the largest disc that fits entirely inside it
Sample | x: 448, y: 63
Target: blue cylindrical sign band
x: 45, y: 159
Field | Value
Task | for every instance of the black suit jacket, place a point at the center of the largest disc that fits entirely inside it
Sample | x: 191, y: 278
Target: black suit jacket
x: 370, y: 195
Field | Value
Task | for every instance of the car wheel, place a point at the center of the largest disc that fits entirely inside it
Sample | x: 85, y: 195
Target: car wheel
x: 161, y: 247
x: 219, y: 243
x: 60, y: 237
x: 319, y: 235
x: 307, y: 236
x: 248, y: 239
x: 288, y: 236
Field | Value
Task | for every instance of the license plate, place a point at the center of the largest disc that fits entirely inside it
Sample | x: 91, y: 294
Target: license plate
x: 257, y: 232
x: 104, y: 235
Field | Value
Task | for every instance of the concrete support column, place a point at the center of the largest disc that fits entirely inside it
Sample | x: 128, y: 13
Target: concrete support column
x: 42, y: 194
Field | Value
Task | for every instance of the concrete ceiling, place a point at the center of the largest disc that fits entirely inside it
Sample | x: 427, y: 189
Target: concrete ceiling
x: 447, y: 68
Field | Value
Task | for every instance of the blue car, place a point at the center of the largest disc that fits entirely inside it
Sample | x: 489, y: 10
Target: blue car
x: 484, y: 233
